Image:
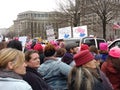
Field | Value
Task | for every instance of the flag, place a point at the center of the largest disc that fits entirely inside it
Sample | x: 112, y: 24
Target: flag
x: 116, y: 26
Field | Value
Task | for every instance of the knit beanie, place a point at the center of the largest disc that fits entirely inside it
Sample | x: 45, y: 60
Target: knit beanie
x: 115, y: 52
x: 103, y: 46
x: 84, y: 47
x: 67, y: 58
x: 38, y: 47
x: 83, y: 57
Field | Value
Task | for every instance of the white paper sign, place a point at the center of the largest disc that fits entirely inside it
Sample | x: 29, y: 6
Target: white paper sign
x: 80, y: 32
x: 64, y: 33
x: 23, y: 39
x: 50, y: 34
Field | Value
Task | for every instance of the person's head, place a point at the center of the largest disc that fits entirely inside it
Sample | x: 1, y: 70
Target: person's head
x: 12, y: 59
x: 28, y: 45
x: 93, y: 49
x: 71, y: 47
x: 103, y: 46
x: 114, y: 57
x: 38, y: 47
x: 85, y: 58
x: 60, y: 52
x: 15, y: 44
x: 84, y: 47
x: 49, y: 50
x: 54, y: 43
x: 97, y: 57
x: 62, y: 44
x: 81, y: 73
x: 95, y: 53
x: 3, y: 45
x: 32, y: 58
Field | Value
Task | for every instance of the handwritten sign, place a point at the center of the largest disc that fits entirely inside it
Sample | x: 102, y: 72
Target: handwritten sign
x: 64, y: 33
x: 80, y: 32
x: 50, y: 34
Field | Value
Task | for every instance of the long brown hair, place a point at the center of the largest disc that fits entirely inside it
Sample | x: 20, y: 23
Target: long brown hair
x: 115, y: 62
x: 80, y: 78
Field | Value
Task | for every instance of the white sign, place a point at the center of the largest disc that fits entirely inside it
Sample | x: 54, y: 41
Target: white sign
x: 64, y: 33
x: 1, y: 38
x: 23, y: 41
x: 80, y: 32
x: 50, y: 34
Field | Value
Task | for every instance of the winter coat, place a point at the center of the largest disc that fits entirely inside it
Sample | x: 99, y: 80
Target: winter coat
x: 112, y: 74
x: 55, y: 73
x: 100, y: 82
x: 103, y: 57
x: 67, y: 58
x: 105, y: 81
x: 35, y: 80
x: 12, y: 81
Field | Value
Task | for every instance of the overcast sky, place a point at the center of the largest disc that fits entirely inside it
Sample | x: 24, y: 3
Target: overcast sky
x: 9, y: 9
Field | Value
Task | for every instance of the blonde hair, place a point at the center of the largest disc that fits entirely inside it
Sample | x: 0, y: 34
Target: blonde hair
x: 80, y: 78
x: 11, y: 55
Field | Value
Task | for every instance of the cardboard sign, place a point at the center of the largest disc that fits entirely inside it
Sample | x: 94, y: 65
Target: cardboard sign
x: 64, y: 33
x: 80, y: 32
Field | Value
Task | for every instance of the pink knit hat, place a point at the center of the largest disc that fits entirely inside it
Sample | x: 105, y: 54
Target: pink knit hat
x: 103, y: 46
x: 83, y: 57
x: 84, y: 47
x: 55, y: 44
x: 115, y: 52
x: 38, y: 47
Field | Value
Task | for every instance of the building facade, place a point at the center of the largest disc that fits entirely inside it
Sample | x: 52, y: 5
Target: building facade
x: 35, y: 23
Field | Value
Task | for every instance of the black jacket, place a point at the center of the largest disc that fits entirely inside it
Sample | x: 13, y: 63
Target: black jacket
x: 35, y: 80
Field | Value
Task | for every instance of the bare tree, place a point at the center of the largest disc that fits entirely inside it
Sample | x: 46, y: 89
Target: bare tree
x: 70, y: 11
x: 11, y: 34
x: 106, y: 11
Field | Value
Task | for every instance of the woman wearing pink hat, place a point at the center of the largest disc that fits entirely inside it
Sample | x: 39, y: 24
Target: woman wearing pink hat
x: 112, y: 67
x: 103, y: 50
x: 85, y: 75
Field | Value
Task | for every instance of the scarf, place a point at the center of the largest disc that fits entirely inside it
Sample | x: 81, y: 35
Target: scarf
x: 8, y: 73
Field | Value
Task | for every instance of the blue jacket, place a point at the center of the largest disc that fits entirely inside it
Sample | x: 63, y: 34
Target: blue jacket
x: 103, y: 57
x: 55, y: 73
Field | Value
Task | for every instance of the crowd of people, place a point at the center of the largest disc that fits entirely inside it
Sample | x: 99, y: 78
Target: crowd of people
x: 58, y: 66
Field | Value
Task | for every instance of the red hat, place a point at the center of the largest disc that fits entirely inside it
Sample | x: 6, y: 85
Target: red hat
x: 84, y: 47
x: 38, y: 47
x: 83, y: 57
x: 115, y: 52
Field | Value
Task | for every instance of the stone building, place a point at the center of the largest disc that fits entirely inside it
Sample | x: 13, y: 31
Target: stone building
x: 34, y: 23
